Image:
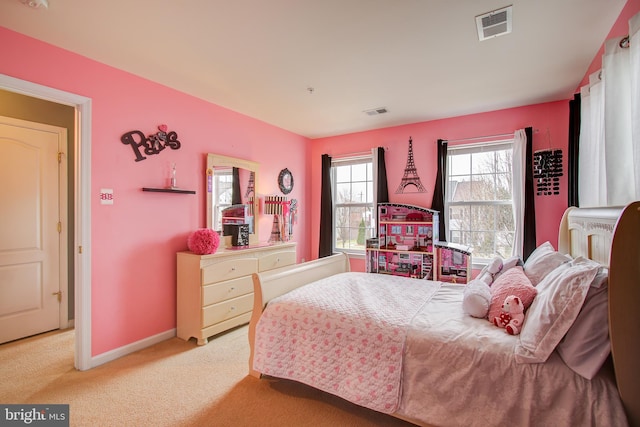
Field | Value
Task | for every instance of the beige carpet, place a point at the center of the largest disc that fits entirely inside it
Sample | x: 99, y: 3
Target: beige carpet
x: 174, y: 383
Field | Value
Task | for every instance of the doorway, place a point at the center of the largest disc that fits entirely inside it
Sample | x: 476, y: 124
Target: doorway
x: 33, y: 248
x: 80, y: 243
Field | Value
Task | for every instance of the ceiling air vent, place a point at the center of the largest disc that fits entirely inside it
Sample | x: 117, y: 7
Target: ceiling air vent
x: 494, y: 24
x: 376, y: 111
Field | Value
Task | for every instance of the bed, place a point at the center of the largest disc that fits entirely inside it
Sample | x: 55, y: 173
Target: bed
x: 405, y: 346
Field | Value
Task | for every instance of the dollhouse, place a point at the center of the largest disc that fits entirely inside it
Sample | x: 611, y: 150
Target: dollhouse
x: 407, y: 245
x: 454, y: 264
x: 404, y: 246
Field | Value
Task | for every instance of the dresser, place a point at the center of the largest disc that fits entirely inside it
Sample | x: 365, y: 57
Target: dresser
x: 215, y: 292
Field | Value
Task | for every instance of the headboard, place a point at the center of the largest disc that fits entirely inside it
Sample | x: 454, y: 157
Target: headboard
x: 588, y: 232
x: 611, y: 236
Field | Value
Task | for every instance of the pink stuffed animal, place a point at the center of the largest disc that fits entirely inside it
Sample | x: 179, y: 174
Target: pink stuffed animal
x: 512, y: 315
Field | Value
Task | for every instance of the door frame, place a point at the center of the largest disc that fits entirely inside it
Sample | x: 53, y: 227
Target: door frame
x: 82, y: 206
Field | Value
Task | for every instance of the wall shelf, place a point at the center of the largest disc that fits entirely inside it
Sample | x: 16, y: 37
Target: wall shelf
x: 168, y: 190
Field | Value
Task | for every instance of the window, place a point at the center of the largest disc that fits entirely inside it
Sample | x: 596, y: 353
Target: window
x: 353, y: 203
x: 222, y: 191
x: 479, y: 199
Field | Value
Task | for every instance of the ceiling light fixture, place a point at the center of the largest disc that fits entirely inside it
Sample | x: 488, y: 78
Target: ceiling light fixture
x: 36, y: 4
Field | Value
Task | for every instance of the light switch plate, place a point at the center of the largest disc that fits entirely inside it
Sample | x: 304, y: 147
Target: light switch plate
x: 106, y: 196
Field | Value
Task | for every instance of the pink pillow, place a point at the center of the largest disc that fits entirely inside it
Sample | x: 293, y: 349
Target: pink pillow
x: 509, y: 263
x: 511, y: 282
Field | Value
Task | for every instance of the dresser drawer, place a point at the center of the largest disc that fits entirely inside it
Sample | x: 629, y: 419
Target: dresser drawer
x: 276, y: 260
x: 226, y: 309
x: 229, y: 269
x: 228, y: 289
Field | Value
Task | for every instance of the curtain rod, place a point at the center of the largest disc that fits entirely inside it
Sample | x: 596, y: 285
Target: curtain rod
x: 475, y: 138
x: 360, y: 154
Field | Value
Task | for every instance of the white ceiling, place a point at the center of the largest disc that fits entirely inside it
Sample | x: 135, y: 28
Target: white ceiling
x: 421, y: 59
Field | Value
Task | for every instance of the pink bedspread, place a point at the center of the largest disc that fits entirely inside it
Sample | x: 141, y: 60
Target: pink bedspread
x: 340, y: 339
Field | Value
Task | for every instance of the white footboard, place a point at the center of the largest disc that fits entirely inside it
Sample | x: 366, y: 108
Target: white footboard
x: 270, y: 284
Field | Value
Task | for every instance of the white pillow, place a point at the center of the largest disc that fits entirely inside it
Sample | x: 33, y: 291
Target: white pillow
x: 561, y: 295
x: 586, y: 345
x: 542, y: 260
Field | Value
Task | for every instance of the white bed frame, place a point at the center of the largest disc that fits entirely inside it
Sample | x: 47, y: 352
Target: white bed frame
x: 610, y: 236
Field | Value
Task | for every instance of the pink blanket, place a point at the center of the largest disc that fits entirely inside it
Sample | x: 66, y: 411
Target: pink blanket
x: 344, y: 335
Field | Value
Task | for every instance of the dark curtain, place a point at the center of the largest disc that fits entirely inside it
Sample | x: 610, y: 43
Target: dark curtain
x: 382, y: 192
x: 236, y: 196
x: 437, y: 203
x: 326, y: 210
x: 529, y: 243
x: 573, y: 150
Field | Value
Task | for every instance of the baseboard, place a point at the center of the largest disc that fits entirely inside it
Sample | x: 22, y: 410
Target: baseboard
x: 116, y: 353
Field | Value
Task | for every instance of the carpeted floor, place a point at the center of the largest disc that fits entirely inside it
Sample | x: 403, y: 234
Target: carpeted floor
x: 173, y: 383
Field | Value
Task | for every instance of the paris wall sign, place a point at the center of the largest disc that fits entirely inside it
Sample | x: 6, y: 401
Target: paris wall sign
x: 410, y: 177
x: 152, y: 144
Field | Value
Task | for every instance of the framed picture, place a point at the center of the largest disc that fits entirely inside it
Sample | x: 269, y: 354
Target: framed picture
x: 285, y: 181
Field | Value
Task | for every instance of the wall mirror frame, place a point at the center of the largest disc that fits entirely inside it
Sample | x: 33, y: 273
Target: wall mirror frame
x: 220, y: 164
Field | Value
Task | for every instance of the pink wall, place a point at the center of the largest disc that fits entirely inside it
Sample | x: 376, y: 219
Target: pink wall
x: 549, y: 121
x: 134, y: 241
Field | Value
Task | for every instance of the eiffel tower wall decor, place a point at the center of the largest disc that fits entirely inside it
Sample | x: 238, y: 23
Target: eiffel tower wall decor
x: 410, y: 178
x: 251, y: 187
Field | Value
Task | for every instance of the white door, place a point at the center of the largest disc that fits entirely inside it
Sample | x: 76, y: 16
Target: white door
x: 32, y: 214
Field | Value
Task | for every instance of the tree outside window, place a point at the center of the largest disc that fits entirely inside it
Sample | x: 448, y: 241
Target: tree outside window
x: 354, y: 219
x: 479, y: 199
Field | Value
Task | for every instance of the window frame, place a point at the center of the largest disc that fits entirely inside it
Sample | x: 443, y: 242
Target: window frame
x: 353, y: 160
x: 222, y: 183
x: 473, y: 148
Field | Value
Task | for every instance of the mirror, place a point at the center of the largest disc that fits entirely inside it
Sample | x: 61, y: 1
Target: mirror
x: 231, y: 196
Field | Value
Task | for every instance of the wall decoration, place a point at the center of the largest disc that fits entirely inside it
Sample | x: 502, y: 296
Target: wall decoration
x: 285, y: 181
x: 547, y: 170
x: 284, y: 212
x: 410, y: 174
x: 251, y: 186
x: 152, y: 144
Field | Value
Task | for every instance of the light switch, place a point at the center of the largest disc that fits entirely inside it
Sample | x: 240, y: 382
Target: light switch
x: 106, y: 196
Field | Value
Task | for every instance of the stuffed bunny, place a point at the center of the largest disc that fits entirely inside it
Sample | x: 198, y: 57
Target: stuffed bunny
x: 488, y: 273
x: 476, y: 299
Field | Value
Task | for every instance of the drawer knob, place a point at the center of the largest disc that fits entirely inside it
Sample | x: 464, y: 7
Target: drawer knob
x: 233, y: 269
x: 232, y: 308
x: 231, y: 289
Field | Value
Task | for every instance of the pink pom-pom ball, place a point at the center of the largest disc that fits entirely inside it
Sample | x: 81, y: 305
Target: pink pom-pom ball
x: 203, y: 241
